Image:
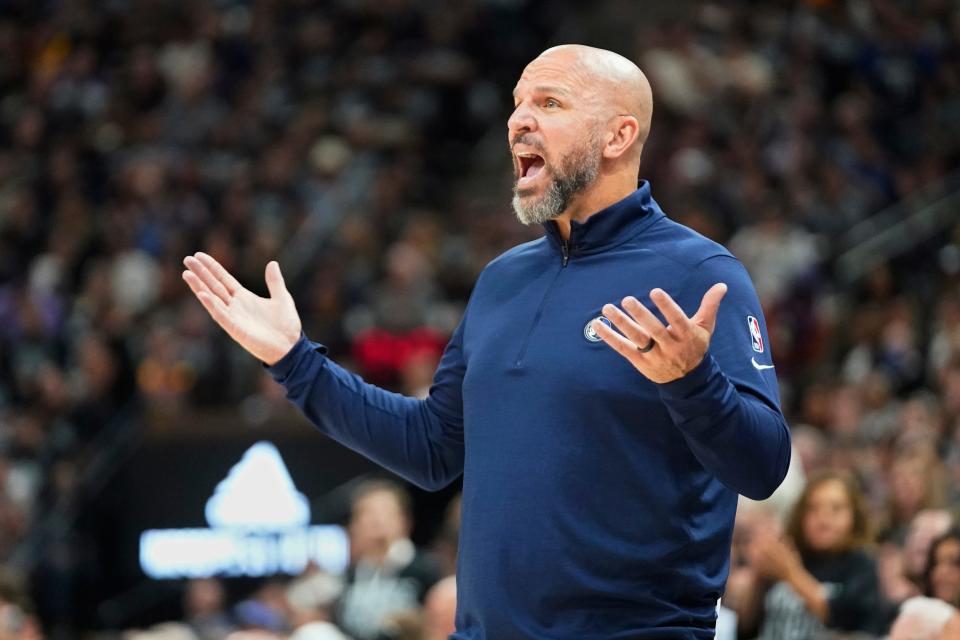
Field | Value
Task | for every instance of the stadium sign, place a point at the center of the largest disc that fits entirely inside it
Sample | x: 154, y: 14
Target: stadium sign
x: 259, y: 526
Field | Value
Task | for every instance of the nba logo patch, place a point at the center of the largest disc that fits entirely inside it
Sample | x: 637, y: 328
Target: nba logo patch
x: 755, y: 336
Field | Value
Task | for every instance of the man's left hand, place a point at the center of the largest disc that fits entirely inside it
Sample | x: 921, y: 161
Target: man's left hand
x: 661, y: 353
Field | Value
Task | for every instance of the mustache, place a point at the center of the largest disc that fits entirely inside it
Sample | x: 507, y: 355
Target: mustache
x: 528, y: 140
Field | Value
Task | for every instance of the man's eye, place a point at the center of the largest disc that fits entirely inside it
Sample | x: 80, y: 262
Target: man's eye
x: 550, y: 102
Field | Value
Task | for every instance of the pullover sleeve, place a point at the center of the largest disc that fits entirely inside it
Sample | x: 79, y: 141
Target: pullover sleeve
x: 420, y: 440
x: 728, y: 407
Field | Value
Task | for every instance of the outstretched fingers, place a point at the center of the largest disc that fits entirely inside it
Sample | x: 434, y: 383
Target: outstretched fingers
x: 210, y: 301
x: 620, y: 344
x: 646, y: 320
x: 633, y: 332
x: 222, y: 275
x: 706, y: 315
x: 217, y: 310
x: 679, y: 323
x: 211, y: 284
x: 195, y: 283
x: 661, y: 353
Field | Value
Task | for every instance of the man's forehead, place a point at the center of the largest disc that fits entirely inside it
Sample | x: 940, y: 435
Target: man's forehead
x: 550, y: 78
x: 558, y: 71
x: 555, y: 89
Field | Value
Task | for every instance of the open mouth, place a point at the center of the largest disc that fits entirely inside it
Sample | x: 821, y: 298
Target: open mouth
x: 530, y: 166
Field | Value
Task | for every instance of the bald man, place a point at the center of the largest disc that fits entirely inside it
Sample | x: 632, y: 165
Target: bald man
x: 603, y: 406
x: 926, y: 619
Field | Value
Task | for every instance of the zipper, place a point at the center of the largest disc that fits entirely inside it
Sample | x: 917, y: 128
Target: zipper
x: 565, y: 252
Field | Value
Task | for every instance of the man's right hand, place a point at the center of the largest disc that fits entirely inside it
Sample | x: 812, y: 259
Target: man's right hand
x: 266, y: 327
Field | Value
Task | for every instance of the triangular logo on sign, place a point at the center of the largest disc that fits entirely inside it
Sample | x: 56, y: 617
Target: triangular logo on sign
x: 258, y: 493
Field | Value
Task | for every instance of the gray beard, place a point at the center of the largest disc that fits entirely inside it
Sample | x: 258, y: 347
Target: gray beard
x: 577, y: 171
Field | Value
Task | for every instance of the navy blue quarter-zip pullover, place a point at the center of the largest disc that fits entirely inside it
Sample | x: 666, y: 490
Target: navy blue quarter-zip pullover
x: 596, y: 504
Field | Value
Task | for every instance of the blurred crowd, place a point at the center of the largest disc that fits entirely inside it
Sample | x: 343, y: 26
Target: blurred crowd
x: 340, y: 138
x: 391, y: 590
x: 328, y: 135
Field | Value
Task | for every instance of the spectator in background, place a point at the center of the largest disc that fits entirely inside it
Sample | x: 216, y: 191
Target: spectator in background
x: 944, y: 344
x: 204, y: 607
x: 257, y: 616
x: 941, y: 576
x: 446, y: 544
x: 824, y: 577
x: 440, y: 610
x: 916, y: 485
x: 401, y: 346
x: 745, y: 585
x: 901, y: 568
x: 387, y: 574
x: 775, y: 251
x: 265, y: 610
x: 17, y: 621
x: 311, y: 599
x: 163, y: 631
x: 13, y: 521
x: 926, y: 619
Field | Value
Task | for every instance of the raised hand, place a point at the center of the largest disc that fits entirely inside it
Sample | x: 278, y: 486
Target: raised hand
x: 773, y: 557
x: 661, y: 353
x: 266, y: 327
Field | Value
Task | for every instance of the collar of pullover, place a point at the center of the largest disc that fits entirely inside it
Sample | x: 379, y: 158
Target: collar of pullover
x: 609, y: 227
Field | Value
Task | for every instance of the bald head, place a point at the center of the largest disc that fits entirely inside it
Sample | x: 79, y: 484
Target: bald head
x: 616, y: 84
x: 581, y: 117
x: 925, y: 619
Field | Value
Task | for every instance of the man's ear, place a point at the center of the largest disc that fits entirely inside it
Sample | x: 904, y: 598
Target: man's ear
x: 621, y: 139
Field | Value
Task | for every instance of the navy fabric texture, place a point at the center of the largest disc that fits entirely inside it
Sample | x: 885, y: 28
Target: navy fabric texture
x: 596, y: 504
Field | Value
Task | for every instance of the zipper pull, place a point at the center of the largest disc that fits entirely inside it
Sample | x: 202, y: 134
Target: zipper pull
x: 565, y: 250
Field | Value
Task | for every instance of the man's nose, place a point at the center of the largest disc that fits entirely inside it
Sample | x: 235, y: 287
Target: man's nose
x: 521, y: 121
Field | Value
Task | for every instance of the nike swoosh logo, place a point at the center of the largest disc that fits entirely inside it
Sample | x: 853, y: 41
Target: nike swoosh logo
x: 758, y: 366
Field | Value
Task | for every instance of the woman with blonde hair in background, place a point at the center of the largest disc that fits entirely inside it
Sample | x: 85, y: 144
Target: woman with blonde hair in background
x: 823, y: 578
